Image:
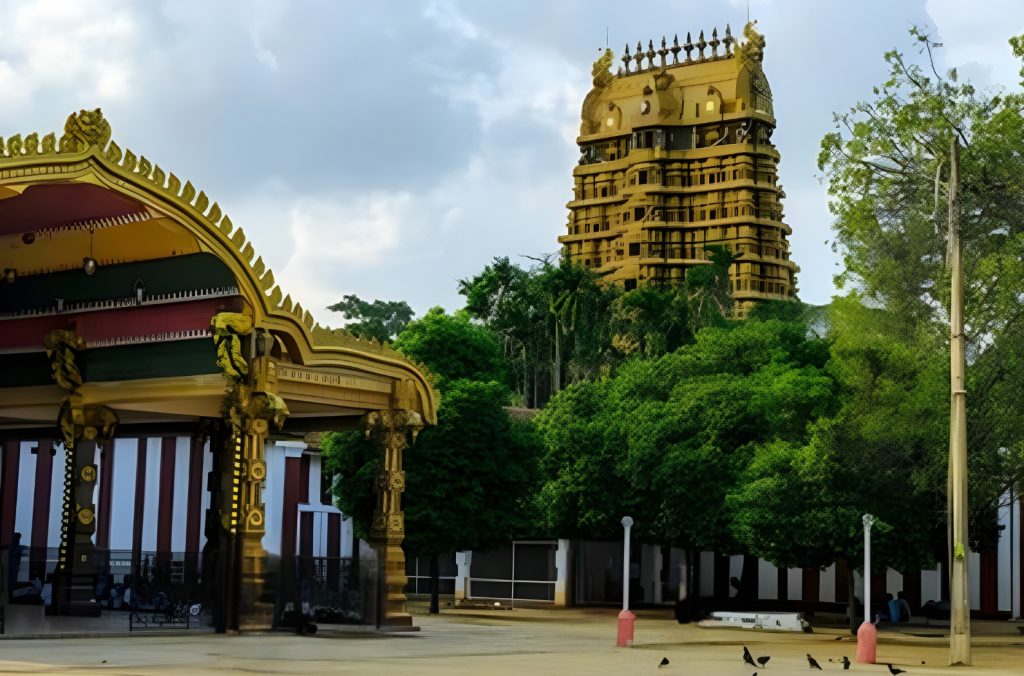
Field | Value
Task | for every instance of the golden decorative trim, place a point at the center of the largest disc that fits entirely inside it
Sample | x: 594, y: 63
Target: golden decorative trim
x: 87, y: 135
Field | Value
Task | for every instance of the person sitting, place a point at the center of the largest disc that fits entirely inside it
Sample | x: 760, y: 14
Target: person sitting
x: 904, y: 608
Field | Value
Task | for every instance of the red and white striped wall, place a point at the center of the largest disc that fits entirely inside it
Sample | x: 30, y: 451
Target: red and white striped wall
x: 300, y: 517
x: 152, y: 496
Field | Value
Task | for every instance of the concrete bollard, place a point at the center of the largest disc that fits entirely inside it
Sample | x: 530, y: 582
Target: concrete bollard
x: 867, y: 642
x: 625, y: 634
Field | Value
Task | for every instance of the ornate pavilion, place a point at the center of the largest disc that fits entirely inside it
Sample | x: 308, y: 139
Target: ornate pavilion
x: 131, y: 307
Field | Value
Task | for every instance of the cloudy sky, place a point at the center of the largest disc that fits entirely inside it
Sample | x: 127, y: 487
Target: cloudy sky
x: 389, y: 148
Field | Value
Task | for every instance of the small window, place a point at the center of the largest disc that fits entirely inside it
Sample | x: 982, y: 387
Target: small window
x: 586, y: 228
x: 625, y: 217
x: 642, y: 178
x: 629, y: 284
x: 634, y: 249
x: 604, y: 192
x: 710, y: 106
x: 713, y: 216
x: 638, y: 213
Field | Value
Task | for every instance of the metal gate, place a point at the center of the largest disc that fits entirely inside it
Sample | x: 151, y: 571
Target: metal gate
x: 520, y: 571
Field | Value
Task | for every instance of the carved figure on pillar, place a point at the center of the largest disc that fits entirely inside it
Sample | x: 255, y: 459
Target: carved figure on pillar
x: 251, y: 406
x: 82, y: 427
x: 391, y: 431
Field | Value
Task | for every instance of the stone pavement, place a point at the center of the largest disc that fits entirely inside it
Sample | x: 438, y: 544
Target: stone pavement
x: 534, y: 642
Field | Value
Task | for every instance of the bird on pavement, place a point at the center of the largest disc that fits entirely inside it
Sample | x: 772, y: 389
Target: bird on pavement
x: 895, y: 670
x: 664, y: 662
x: 846, y: 662
x: 748, y: 658
x: 813, y: 663
x: 763, y: 660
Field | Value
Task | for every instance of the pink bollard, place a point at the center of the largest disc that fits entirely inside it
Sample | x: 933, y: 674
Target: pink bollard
x: 625, y: 634
x: 867, y: 642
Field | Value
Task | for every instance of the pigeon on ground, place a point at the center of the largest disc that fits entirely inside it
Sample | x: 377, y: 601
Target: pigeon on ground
x: 763, y: 660
x: 813, y: 663
x: 748, y: 658
x: 664, y: 662
x: 895, y: 670
x: 846, y: 662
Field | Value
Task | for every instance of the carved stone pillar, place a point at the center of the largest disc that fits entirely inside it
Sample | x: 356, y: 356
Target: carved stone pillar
x: 248, y: 517
x: 252, y: 406
x: 77, y: 565
x: 81, y: 426
x: 391, y: 431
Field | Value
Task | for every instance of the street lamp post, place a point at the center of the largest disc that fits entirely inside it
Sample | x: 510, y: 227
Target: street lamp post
x: 960, y: 613
x: 627, y: 619
x: 867, y: 635
x: 868, y: 521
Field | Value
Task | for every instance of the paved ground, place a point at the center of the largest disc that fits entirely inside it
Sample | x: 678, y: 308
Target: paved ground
x: 502, y: 642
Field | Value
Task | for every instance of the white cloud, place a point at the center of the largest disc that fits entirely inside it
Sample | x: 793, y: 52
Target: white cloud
x: 332, y: 235
x: 975, y: 38
x: 532, y: 81
x: 447, y: 15
x: 87, y: 46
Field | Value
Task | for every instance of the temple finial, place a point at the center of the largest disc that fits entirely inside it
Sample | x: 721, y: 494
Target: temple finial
x: 626, y: 58
x: 663, y: 52
x: 650, y: 53
x: 701, y: 44
x: 727, y: 40
x: 675, y: 49
x: 688, y: 47
x: 714, y: 43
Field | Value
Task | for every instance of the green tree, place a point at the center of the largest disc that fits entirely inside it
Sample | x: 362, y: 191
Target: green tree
x: 510, y: 302
x: 453, y: 348
x: 552, y: 317
x: 709, y: 294
x: 798, y: 503
x: 649, y: 321
x: 379, y: 320
x: 470, y: 478
x: 888, y: 166
x: 665, y: 439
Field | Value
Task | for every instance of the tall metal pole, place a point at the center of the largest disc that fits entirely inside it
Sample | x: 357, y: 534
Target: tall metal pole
x: 868, y: 521
x: 867, y: 635
x: 627, y: 523
x: 960, y: 610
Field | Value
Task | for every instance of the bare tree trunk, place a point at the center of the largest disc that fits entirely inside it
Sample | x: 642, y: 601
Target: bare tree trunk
x: 435, y: 579
x: 693, y: 579
x: 526, y: 383
x: 535, y: 401
x: 557, y: 380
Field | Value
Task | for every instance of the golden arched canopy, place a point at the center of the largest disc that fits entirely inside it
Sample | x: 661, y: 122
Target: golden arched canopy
x: 84, y: 197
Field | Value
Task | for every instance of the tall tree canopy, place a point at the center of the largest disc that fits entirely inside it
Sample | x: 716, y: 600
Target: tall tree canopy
x: 888, y: 169
x: 378, y: 320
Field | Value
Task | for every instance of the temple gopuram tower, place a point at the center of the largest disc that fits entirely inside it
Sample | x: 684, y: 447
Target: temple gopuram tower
x: 676, y: 157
